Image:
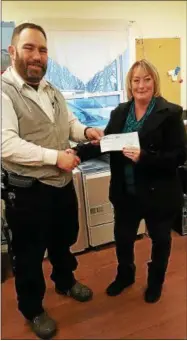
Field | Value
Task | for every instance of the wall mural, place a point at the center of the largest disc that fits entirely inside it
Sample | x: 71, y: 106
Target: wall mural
x: 89, y: 69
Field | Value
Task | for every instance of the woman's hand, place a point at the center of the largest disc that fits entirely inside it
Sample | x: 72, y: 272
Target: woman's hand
x: 132, y: 153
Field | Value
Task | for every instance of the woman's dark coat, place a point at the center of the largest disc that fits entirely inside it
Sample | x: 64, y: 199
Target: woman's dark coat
x: 163, y: 144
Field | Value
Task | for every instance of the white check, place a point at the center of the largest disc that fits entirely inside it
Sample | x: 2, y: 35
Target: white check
x: 114, y: 142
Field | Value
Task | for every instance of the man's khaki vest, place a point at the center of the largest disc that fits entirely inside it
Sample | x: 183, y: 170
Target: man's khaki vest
x: 37, y: 128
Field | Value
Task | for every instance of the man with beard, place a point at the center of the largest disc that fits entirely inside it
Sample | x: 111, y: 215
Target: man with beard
x: 41, y: 206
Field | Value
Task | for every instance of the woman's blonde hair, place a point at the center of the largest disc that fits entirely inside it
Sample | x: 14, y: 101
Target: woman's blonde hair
x: 150, y: 69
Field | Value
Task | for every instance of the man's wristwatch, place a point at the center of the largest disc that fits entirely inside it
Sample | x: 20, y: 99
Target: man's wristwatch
x: 86, y: 130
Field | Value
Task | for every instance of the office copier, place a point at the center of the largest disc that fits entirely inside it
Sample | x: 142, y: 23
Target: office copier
x: 99, y: 210
x: 82, y: 241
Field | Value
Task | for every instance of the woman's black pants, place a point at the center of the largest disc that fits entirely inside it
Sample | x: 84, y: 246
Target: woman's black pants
x: 128, y: 214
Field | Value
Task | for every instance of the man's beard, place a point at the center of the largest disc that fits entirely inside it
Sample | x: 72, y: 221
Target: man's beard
x: 30, y: 76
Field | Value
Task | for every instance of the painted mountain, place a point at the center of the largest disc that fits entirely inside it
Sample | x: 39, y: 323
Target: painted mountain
x: 103, y: 81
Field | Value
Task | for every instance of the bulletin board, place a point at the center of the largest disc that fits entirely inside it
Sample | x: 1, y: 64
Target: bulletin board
x: 164, y: 53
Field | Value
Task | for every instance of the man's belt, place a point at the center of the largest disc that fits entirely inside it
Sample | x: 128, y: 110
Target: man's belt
x: 20, y: 181
x: 12, y: 179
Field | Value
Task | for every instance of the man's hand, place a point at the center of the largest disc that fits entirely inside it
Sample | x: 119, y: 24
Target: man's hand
x: 94, y: 135
x: 132, y: 153
x: 67, y: 161
x: 71, y: 151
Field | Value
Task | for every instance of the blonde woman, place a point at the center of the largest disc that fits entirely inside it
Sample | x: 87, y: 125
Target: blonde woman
x: 144, y: 182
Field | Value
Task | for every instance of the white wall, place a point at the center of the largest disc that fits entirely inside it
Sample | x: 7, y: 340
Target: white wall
x: 153, y: 19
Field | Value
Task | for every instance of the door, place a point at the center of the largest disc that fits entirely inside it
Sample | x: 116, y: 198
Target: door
x: 164, y: 53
